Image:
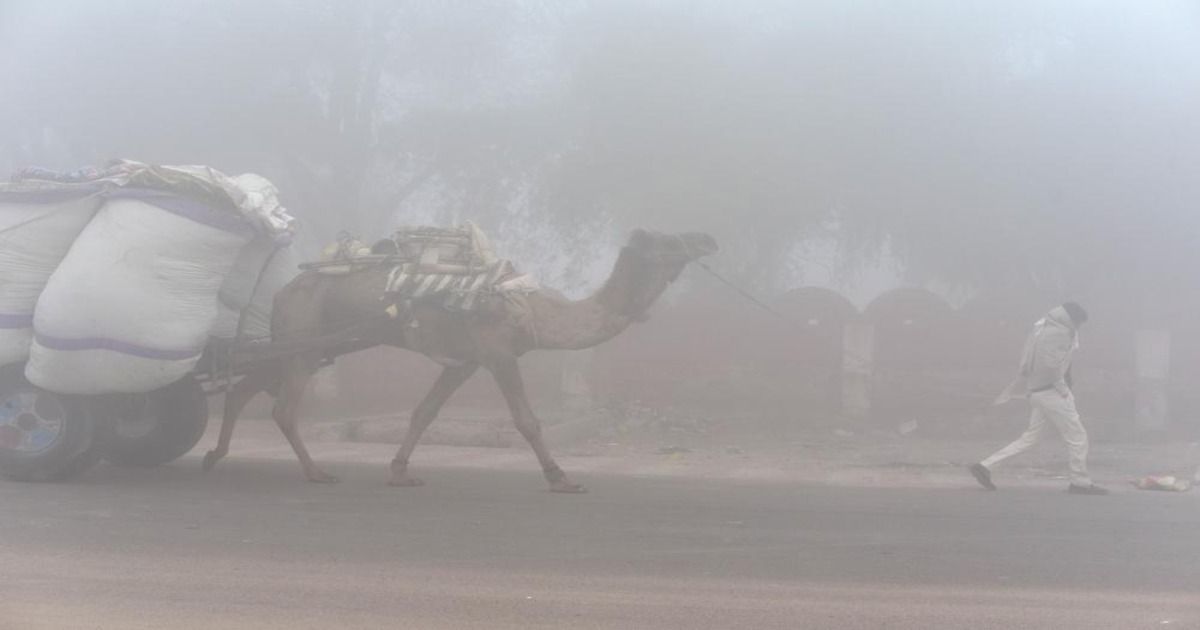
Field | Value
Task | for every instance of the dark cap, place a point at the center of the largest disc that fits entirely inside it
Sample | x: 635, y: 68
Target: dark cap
x: 1078, y: 315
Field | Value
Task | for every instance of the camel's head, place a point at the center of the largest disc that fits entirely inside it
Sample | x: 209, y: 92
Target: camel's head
x: 659, y: 259
x: 673, y: 249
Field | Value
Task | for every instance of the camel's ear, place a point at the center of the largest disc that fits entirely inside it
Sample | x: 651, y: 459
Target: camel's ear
x: 641, y: 239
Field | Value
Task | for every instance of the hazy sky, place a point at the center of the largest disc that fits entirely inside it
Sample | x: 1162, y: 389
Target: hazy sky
x: 1038, y: 142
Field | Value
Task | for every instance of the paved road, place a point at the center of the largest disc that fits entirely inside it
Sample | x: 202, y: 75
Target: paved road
x: 252, y: 546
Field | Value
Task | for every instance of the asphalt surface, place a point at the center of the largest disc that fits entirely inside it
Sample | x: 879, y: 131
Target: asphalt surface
x: 250, y: 545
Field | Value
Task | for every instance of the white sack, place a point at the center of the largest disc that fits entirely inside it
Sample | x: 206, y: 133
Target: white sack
x: 249, y: 292
x: 131, y: 306
x: 35, y: 234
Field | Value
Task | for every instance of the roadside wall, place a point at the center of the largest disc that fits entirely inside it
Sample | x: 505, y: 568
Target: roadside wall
x: 908, y: 355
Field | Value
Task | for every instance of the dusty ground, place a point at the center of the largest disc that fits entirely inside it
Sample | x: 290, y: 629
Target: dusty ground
x: 836, y: 531
x: 820, y: 455
x: 688, y: 540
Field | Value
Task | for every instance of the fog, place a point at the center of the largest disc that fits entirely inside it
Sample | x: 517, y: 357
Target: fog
x: 867, y: 217
x: 1042, y: 147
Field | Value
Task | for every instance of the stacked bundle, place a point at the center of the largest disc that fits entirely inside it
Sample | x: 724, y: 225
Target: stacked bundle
x: 38, y: 223
x: 134, y: 278
x: 454, y: 265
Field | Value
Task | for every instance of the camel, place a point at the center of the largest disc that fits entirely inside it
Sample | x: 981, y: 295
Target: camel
x: 315, y: 303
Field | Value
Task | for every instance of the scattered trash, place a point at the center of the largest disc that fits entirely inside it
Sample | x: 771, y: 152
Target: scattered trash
x: 673, y: 450
x: 1166, y: 483
x: 908, y: 427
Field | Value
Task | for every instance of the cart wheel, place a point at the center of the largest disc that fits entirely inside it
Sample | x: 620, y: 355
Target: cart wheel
x: 45, y: 436
x: 158, y: 427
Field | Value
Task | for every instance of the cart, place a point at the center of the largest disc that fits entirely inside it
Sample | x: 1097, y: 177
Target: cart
x: 46, y: 436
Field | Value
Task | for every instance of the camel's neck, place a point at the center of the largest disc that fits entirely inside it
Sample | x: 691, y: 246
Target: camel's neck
x: 560, y: 324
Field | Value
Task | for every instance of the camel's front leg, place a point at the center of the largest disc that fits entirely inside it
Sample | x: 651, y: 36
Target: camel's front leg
x: 508, y: 377
x: 447, y: 383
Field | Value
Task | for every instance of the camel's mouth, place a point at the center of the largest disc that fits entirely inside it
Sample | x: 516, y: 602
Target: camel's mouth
x: 687, y: 246
x: 703, y: 245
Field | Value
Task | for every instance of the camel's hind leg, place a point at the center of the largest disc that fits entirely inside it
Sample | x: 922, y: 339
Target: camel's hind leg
x: 508, y: 377
x: 447, y: 383
x: 296, y: 374
x: 236, y: 400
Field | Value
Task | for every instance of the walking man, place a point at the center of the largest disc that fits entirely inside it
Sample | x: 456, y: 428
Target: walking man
x: 1045, y: 378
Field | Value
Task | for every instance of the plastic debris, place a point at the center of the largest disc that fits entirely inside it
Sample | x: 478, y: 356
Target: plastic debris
x: 1165, y: 483
x: 908, y: 427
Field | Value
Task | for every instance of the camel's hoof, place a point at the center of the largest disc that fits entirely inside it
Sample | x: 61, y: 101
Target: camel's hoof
x: 323, y: 477
x: 566, y: 487
x: 210, y: 459
x: 406, y: 482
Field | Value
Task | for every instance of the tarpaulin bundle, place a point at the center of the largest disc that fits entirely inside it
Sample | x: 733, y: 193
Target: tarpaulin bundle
x: 38, y: 224
x: 127, y: 301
